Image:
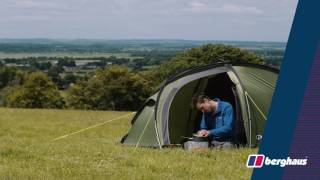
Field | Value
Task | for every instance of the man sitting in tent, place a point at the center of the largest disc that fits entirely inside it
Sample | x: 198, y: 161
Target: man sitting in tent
x: 217, y: 120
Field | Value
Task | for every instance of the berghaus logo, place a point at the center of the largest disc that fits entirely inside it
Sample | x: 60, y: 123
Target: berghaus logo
x: 258, y: 160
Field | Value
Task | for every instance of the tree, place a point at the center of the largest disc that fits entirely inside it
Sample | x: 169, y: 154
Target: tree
x: 40, y: 65
x: 115, y: 87
x: 54, y: 74
x: 69, y: 78
x: 66, y: 63
x: 77, y: 96
x: 38, y: 91
x: 10, y: 76
x: 206, y: 54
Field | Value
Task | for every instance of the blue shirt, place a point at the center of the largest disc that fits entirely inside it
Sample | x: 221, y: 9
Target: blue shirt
x: 219, y: 123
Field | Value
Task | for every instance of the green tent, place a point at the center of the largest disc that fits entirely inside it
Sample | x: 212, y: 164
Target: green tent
x: 166, y: 117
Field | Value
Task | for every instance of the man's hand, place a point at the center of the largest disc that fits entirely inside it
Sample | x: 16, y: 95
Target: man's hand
x: 203, y: 133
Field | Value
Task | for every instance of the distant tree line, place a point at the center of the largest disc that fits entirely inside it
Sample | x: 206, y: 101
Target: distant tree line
x: 61, y: 61
x: 80, y: 46
x: 111, y: 87
x: 64, y: 47
x: 154, y: 57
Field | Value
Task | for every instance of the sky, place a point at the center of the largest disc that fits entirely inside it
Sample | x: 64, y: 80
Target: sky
x: 243, y: 20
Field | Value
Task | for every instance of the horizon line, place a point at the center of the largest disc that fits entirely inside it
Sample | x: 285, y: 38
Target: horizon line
x: 141, y: 39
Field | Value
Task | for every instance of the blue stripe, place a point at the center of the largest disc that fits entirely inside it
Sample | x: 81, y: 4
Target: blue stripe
x: 251, y: 161
x: 288, y: 97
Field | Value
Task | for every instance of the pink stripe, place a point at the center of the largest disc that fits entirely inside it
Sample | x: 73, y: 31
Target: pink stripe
x: 259, y: 160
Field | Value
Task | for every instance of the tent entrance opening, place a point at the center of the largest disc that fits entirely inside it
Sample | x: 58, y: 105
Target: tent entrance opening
x: 184, y: 121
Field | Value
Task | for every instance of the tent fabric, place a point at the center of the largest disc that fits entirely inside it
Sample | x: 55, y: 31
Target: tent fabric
x: 167, y: 117
x: 259, y: 85
x: 143, y: 131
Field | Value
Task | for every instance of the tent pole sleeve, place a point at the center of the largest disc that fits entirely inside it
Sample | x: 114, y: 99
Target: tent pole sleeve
x: 249, y: 115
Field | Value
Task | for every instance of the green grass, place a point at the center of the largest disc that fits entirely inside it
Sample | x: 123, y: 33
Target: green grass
x: 27, y: 153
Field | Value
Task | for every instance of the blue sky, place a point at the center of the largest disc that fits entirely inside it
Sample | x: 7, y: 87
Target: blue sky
x: 252, y: 20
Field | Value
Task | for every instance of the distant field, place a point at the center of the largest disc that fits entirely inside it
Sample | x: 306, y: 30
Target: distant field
x: 27, y: 153
x: 65, y: 54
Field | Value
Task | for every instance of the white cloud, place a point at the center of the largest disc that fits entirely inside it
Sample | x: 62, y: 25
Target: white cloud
x: 234, y: 8
x: 221, y: 8
x: 36, y: 4
x: 197, y: 5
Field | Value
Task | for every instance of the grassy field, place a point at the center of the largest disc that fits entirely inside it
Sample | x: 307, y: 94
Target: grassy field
x: 26, y: 150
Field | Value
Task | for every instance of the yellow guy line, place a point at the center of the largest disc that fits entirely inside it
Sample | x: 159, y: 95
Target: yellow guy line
x: 264, y: 116
x: 100, y: 124
x: 144, y: 129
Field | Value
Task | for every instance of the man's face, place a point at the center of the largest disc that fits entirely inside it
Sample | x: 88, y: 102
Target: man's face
x: 205, y: 106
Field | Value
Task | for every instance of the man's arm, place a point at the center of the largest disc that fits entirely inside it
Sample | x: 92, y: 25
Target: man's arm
x: 203, y: 124
x: 227, y: 127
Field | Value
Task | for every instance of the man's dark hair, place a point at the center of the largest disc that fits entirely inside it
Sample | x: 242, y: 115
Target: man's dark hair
x: 198, y: 98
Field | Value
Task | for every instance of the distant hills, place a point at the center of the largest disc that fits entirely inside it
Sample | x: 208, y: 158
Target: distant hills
x: 101, y: 45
